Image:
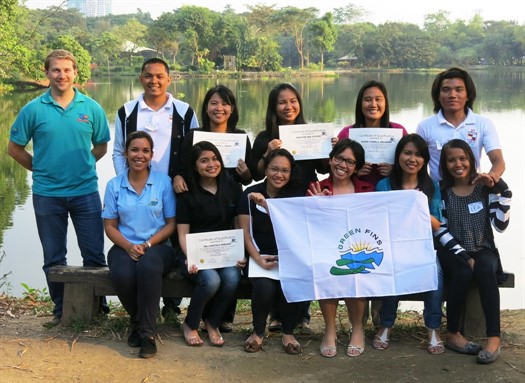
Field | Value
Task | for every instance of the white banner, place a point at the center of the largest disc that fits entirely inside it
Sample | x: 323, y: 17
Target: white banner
x: 354, y: 245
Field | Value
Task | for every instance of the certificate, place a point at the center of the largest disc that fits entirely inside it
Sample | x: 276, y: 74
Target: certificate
x: 379, y: 143
x: 307, y: 141
x: 215, y: 249
x: 232, y: 146
x: 256, y: 271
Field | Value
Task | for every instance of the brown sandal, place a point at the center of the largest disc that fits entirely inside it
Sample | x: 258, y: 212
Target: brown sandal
x: 252, y: 346
x: 293, y: 348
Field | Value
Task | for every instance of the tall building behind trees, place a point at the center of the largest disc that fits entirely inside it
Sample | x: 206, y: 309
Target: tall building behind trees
x: 91, y: 8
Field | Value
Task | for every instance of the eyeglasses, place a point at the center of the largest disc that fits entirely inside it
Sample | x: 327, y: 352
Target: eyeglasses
x: 274, y: 170
x: 348, y: 162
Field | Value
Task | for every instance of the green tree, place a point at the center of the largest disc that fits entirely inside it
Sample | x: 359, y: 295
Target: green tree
x: 324, y: 35
x: 293, y: 22
x: 348, y: 14
x: 81, y: 55
x: 13, y: 54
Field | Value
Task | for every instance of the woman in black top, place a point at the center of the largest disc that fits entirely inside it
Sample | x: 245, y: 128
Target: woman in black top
x: 281, y: 181
x: 210, y: 205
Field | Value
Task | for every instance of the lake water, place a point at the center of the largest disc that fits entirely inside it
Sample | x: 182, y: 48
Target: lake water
x: 500, y: 98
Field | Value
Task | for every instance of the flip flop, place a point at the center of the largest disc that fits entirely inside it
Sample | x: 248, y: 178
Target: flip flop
x: 380, y: 342
x: 216, y: 340
x: 192, y: 341
x: 435, y: 347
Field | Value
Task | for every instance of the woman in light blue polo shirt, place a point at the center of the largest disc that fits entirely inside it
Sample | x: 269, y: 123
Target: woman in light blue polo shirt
x: 139, y: 218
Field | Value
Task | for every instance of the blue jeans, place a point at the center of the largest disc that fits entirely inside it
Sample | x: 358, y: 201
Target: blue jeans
x: 139, y: 283
x: 431, y: 312
x: 52, y: 220
x: 213, y: 294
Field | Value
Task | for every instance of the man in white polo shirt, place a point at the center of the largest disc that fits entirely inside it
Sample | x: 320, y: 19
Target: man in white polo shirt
x: 453, y: 93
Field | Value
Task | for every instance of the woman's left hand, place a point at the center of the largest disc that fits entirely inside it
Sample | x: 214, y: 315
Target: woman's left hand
x: 315, y: 190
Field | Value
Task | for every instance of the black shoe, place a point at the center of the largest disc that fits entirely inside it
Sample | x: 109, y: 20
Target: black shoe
x: 148, y: 348
x: 134, y: 339
x: 53, y: 322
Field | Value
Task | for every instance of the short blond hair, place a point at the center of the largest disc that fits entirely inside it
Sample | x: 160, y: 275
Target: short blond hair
x: 60, y: 54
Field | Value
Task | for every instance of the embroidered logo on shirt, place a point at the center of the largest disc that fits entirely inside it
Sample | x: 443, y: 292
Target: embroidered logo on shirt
x: 82, y: 117
x: 472, y: 135
x: 153, y: 202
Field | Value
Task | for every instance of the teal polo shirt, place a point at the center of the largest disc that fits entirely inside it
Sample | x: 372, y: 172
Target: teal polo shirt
x: 63, y: 165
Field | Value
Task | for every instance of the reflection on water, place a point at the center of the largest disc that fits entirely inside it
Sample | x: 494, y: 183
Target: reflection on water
x: 500, y: 98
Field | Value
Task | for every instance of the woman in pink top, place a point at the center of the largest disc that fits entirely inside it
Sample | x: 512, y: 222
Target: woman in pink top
x: 372, y: 111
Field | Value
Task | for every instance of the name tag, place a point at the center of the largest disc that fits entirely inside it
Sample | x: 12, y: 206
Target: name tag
x: 475, y: 207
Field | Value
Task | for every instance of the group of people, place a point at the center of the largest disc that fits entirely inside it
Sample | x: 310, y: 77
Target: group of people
x: 168, y: 186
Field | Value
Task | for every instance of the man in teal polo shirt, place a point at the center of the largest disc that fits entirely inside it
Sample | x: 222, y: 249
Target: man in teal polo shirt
x: 70, y: 133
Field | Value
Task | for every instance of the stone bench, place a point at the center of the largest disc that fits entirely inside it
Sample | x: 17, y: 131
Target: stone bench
x: 84, y: 287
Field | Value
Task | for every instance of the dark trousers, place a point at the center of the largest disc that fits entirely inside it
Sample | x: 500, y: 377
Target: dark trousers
x: 265, y: 293
x: 139, y: 283
x: 459, y: 276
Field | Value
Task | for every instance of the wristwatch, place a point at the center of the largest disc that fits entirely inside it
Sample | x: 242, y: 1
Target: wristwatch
x: 148, y: 244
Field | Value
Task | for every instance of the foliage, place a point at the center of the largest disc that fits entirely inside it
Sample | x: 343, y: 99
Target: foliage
x: 263, y: 38
x: 12, y: 53
x: 81, y: 55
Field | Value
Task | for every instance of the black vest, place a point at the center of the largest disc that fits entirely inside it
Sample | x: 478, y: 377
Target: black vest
x: 180, y: 126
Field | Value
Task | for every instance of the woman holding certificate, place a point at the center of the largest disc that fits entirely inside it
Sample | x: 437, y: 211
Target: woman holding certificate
x: 285, y: 107
x: 139, y: 217
x: 282, y: 180
x: 346, y: 158
x: 372, y: 111
x: 210, y: 205
x: 219, y: 114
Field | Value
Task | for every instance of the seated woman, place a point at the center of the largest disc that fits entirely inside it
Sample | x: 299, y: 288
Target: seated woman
x: 471, y: 204
x: 282, y: 180
x: 209, y: 205
x: 346, y: 158
x: 410, y: 171
x: 139, y: 217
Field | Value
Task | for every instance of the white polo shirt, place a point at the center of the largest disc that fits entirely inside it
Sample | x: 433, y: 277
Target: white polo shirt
x: 478, y: 131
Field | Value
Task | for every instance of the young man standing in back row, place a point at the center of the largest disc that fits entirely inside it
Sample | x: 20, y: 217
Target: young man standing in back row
x: 166, y: 119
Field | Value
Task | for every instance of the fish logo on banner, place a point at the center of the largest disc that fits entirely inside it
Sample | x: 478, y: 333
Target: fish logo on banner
x: 358, y: 255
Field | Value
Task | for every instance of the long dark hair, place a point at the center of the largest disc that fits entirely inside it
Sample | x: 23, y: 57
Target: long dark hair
x: 424, y: 182
x: 272, y: 122
x: 360, y: 116
x: 294, y: 183
x: 227, y: 96
x: 448, y: 180
x: 223, y: 186
x: 453, y: 73
x: 356, y: 147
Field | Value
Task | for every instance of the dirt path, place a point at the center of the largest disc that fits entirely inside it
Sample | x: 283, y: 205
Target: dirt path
x: 30, y: 353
